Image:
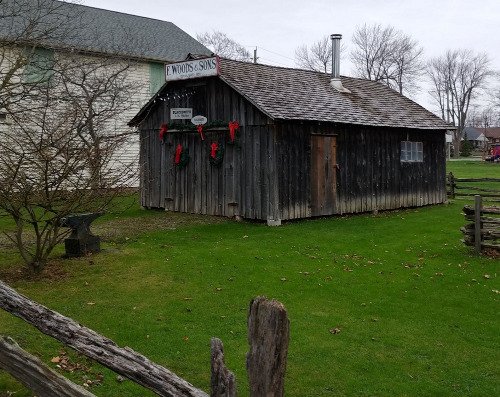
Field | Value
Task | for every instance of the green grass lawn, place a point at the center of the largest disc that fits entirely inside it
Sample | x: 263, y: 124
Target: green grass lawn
x: 473, y: 169
x: 416, y: 309
x: 476, y: 169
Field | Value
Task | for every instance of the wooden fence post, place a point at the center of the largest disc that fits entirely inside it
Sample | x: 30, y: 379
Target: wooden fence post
x: 34, y: 374
x: 477, y: 223
x: 268, y: 334
x: 451, y: 179
x: 222, y: 381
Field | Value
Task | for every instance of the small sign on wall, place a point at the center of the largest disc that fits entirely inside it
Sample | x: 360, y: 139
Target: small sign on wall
x: 181, y: 113
x: 199, y: 120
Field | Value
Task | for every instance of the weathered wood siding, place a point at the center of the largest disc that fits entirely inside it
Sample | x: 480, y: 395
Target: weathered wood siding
x: 293, y: 142
x: 242, y: 185
x: 267, y: 173
x: 370, y: 174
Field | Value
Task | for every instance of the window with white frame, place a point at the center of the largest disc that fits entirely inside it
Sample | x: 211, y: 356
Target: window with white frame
x: 412, y: 152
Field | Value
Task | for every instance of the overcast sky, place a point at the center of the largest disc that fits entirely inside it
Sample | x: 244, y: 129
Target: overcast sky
x: 278, y: 27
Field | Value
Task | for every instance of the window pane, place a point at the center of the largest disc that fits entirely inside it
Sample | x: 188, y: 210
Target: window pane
x: 404, y: 153
x: 40, y: 65
x: 156, y: 76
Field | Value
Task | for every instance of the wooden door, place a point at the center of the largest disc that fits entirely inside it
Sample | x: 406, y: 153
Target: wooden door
x: 323, y: 174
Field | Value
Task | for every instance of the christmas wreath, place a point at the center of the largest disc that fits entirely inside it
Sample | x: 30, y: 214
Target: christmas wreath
x: 181, y: 158
x: 216, y: 154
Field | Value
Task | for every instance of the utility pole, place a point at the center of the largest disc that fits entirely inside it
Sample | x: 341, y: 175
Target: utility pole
x: 255, y: 55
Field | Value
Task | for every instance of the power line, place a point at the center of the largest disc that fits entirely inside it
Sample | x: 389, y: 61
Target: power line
x: 274, y: 62
x: 272, y: 52
x: 275, y: 53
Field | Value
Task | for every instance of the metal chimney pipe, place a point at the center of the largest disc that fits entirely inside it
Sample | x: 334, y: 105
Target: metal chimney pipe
x: 336, y: 37
x: 335, y: 81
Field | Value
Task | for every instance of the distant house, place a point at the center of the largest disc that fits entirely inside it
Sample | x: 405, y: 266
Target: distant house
x: 492, y: 134
x: 306, y: 144
x: 475, y: 137
x: 149, y: 43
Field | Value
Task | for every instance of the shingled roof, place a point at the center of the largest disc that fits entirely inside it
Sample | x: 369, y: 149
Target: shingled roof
x: 296, y: 94
x: 98, y: 31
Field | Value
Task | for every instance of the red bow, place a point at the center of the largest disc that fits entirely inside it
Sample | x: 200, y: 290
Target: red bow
x: 233, y: 127
x: 178, y: 152
x: 214, y: 146
x: 199, y: 128
x: 163, y: 131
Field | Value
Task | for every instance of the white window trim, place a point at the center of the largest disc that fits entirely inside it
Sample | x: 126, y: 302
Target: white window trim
x: 412, y: 152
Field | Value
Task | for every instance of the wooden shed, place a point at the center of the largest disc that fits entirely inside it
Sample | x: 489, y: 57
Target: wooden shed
x: 302, y: 149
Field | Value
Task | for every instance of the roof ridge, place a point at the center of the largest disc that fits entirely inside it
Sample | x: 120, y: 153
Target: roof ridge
x: 280, y: 67
x: 111, y: 11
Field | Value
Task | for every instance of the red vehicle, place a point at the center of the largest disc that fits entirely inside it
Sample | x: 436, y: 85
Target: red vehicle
x: 494, y: 154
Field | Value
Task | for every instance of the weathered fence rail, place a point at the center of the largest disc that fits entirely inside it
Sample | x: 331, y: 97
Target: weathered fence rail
x: 266, y: 361
x: 470, y: 187
x: 484, y: 231
x: 34, y: 374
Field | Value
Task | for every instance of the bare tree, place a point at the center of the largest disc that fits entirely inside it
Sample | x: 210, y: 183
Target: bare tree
x: 317, y: 56
x: 481, y: 117
x: 494, y: 101
x: 222, y: 45
x: 387, y: 55
x: 457, y: 78
x: 58, y: 149
x: 23, y: 26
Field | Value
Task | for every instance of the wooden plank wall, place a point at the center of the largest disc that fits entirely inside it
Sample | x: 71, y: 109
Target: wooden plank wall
x: 372, y: 177
x: 242, y: 185
x: 267, y: 174
x: 293, y: 142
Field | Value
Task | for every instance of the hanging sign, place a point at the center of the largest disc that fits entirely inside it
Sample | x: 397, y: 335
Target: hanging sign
x: 181, y: 113
x: 192, y: 69
x: 199, y: 120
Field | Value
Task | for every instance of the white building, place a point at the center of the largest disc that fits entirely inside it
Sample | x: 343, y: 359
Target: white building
x: 51, y: 29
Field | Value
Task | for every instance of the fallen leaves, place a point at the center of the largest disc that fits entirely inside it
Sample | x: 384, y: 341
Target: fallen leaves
x: 65, y: 363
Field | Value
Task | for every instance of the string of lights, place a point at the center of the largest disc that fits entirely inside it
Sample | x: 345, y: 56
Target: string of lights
x: 169, y: 96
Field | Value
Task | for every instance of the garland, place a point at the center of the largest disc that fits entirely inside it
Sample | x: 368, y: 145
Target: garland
x: 192, y: 127
x: 216, y: 154
x: 181, y: 158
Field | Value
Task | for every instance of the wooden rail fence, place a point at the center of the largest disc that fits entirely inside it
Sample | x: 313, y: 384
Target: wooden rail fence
x: 268, y: 334
x: 484, y: 231
x: 488, y: 188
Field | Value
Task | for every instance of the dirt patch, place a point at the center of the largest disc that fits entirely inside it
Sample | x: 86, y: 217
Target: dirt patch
x: 116, y: 230
x: 53, y: 271
x: 492, y: 252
